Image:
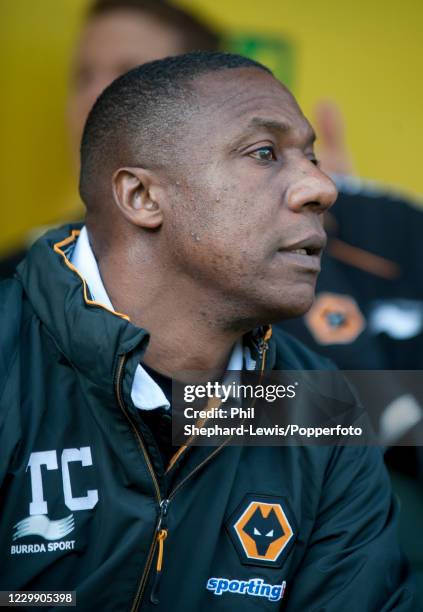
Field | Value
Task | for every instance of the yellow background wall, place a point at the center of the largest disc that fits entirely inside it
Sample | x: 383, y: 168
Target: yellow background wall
x: 366, y: 55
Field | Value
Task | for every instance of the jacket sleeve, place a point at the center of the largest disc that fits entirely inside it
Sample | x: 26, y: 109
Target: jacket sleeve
x: 352, y: 560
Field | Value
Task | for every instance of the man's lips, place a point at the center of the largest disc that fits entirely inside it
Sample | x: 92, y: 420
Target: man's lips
x: 313, y: 244
x: 305, y: 252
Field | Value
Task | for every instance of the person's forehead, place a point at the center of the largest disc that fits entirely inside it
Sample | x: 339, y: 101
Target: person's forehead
x: 249, y: 98
x: 131, y: 32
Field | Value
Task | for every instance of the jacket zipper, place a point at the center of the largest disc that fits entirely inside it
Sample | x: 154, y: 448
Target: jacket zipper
x: 161, y: 532
x: 161, y: 535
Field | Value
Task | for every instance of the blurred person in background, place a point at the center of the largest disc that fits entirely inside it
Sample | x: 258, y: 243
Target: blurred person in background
x: 368, y: 312
x: 119, y: 35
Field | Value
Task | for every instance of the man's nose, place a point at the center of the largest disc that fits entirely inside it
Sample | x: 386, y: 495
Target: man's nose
x: 314, y: 190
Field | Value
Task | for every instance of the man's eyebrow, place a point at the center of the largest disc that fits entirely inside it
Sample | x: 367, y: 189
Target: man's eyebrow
x: 268, y: 124
x: 278, y: 127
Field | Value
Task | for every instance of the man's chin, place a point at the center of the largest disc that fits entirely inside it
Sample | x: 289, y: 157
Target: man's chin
x: 293, y: 307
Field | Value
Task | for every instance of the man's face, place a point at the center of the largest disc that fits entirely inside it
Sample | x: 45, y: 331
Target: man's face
x: 111, y: 44
x: 246, y: 220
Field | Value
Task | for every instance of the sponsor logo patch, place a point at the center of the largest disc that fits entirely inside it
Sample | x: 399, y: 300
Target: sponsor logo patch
x: 256, y: 587
x: 262, y: 530
x: 42, y: 526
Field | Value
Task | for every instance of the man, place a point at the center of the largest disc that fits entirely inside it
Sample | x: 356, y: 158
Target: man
x: 120, y: 34
x: 204, y: 207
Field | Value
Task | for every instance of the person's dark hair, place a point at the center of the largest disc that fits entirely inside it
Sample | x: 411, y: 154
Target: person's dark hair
x: 195, y: 34
x: 137, y: 118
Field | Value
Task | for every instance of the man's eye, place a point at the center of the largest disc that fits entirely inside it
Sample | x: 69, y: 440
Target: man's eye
x: 264, y: 154
x: 315, y: 161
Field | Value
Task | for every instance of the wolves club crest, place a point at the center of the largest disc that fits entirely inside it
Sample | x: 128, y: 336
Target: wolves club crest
x: 262, y: 530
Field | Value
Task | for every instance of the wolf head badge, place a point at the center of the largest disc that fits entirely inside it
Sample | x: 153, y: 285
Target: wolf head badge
x: 262, y: 528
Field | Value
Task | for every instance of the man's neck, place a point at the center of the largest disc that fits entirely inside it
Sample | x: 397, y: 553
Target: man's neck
x: 184, y: 333
x: 191, y: 353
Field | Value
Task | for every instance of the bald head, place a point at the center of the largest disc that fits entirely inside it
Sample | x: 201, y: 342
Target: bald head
x: 137, y: 119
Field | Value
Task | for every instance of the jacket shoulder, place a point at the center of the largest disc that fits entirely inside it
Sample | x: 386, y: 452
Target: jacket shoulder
x: 291, y: 354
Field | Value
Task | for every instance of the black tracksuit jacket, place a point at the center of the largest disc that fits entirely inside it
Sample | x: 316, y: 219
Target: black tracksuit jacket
x: 86, y: 505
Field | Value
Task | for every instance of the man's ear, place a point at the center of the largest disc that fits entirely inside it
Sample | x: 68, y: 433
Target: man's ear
x: 138, y: 195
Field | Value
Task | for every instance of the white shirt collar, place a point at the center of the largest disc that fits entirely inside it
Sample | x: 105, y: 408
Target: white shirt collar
x: 146, y: 393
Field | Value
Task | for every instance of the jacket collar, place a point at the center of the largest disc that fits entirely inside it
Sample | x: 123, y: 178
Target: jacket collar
x: 146, y: 394
x: 81, y: 327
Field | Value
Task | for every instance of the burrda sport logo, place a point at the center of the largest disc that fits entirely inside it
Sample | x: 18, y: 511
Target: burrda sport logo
x: 38, y: 523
